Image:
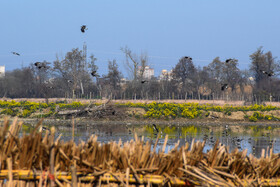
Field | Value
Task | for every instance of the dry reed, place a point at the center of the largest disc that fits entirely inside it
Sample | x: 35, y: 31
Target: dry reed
x: 43, y: 160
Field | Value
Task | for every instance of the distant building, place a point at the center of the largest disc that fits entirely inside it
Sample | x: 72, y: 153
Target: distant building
x: 2, y: 71
x: 123, y: 81
x: 165, y: 74
x: 148, y: 72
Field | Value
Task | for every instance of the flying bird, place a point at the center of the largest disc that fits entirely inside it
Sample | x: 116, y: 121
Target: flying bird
x: 224, y: 87
x: 37, y: 64
x: 93, y: 73
x: 228, y: 60
x: 83, y: 28
x: 264, y: 72
x: 143, y: 81
x: 268, y: 74
x: 15, y: 53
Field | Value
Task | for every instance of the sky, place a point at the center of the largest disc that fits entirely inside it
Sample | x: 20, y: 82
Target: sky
x: 165, y: 30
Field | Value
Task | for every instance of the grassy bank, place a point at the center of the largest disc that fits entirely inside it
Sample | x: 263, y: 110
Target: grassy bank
x: 144, y: 111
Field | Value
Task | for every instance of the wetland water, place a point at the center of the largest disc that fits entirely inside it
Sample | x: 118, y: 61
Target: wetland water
x: 252, y: 137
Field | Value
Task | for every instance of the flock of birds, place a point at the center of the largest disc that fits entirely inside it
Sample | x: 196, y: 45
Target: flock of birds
x: 225, y: 86
x: 235, y: 140
x: 44, y: 65
x: 269, y: 74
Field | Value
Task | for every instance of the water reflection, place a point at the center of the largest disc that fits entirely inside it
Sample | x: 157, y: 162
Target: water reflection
x: 253, y: 138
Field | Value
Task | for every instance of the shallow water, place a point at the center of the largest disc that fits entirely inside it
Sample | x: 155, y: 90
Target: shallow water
x: 251, y: 137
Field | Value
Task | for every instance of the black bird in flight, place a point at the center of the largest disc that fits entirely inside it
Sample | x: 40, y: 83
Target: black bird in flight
x: 15, y: 53
x: 93, y: 73
x: 224, y: 87
x: 228, y: 60
x: 268, y: 74
x: 83, y: 28
x: 37, y: 64
x: 143, y: 81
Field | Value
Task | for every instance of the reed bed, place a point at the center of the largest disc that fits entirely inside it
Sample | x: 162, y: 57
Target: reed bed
x: 40, y: 159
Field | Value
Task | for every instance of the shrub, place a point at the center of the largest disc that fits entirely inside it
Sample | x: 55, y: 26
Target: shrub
x: 25, y: 113
x: 10, y: 111
x: 253, y: 119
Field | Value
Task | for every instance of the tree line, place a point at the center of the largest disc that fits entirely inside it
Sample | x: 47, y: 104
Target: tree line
x: 76, y: 76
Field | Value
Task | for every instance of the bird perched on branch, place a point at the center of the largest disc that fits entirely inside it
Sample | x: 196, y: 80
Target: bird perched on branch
x: 83, y: 28
x: 40, y: 65
x: 15, y: 53
x: 187, y: 57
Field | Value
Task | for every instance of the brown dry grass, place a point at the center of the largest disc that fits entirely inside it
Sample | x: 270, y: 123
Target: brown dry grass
x: 136, y: 111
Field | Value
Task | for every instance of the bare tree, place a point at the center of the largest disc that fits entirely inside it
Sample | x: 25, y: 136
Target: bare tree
x: 75, y: 70
x: 135, y: 64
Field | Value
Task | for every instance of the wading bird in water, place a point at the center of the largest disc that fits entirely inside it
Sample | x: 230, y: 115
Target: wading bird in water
x: 155, y: 128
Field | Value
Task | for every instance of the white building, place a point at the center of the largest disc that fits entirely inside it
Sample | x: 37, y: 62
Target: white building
x: 148, y: 72
x: 165, y: 75
x: 2, y: 71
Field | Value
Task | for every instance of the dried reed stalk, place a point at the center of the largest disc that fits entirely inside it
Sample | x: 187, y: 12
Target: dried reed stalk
x: 127, y: 163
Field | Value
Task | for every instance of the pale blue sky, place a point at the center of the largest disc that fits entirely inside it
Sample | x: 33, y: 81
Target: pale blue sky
x: 165, y: 30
